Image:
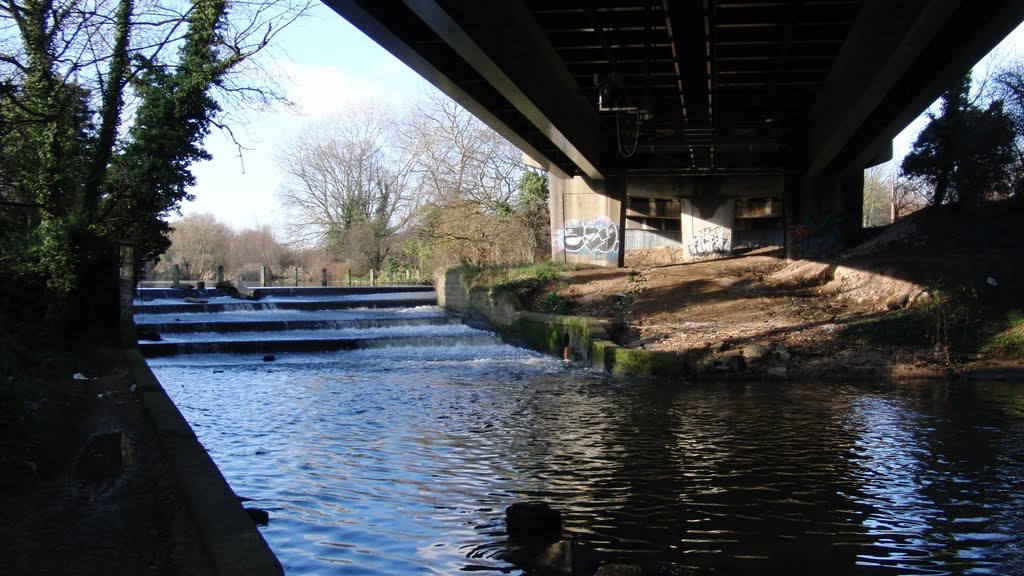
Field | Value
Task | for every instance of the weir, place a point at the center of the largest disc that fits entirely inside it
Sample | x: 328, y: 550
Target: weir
x: 300, y: 320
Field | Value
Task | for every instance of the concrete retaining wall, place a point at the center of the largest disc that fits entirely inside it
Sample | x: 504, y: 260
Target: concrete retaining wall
x: 578, y: 338
x: 231, y: 539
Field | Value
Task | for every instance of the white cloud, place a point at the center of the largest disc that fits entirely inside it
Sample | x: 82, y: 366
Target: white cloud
x: 325, y: 90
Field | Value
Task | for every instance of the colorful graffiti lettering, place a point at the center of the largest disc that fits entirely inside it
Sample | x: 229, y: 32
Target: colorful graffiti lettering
x: 711, y: 241
x: 598, y: 237
x: 817, y: 238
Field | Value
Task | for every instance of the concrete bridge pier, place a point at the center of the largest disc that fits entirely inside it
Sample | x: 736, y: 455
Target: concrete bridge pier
x: 587, y: 220
x: 824, y: 214
x: 705, y: 217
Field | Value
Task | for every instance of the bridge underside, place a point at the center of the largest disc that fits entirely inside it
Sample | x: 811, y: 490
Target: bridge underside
x: 700, y: 124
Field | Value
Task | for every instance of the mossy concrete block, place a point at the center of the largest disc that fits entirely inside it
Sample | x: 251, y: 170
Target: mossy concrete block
x: 640, y: 363
x: 575, y: 337
x: 571, y: 335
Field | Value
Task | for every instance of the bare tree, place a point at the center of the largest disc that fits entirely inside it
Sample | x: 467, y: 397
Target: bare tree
x: 908, y: 195
x: 1007, y: 84
x: 349, y: 184
x: 470, y: 174
x: 198, y: 245
x: 460, y: 159
x: 250, y: 249
x: 433, y: 186
x: 878, y: 184
x: 889, y: 196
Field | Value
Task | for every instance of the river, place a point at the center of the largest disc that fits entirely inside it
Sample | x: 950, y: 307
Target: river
x: 400, y: 459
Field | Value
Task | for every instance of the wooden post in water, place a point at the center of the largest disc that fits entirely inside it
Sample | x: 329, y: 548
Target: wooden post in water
x: 220, y: 274
x: 296, y: 276
x: 348, y: 273
x: 263, y: 276
x: 373, y: 281
x: 176, y: 276
x: 323, y: 276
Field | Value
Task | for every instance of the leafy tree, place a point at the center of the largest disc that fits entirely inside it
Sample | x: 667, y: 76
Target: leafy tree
x: 965, y: 152
x: 104, y: 107
x: 534, y: 213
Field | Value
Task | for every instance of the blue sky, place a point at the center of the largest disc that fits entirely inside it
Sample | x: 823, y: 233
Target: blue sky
x: 331, y: 63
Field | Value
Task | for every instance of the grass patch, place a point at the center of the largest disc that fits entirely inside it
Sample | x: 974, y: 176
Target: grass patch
x: 512, y: 276
x: 1008, y: 341
x: 555, y: 302
x: 949, y: 324
x: 949, y: 319
x: 901, y: 328
x: 537, y: 285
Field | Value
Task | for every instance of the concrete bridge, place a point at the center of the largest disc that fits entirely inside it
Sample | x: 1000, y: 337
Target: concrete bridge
x: 700, y: 124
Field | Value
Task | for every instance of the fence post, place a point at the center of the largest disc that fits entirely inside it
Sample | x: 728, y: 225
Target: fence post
x: 373, y: 281
x: 348, y: 273
x: 220, y: 274
x: 323, y: 276
x: 176, y: 277
x: 296, y: 276
x: 263, y: 276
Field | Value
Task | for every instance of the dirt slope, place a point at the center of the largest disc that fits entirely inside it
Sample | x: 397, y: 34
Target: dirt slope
x: 758, y: 315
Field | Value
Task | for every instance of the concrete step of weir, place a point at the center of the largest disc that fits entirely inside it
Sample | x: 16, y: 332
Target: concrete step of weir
x: 285, y: 325
x: 428, y: 299
x: 263, y: 292
x: 157, y: 349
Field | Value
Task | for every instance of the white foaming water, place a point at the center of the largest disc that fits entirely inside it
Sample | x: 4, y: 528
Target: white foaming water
x: 400, y: 331
x: 290, y: 315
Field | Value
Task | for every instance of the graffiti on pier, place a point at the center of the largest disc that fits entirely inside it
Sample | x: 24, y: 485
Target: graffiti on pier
x: 597, y: 238
x: 709, y: 242
x: 817, y: 238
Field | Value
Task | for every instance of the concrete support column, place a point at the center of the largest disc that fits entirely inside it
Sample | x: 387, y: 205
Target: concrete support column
x: 588, y: 220
x: 852, y: 202
x: 824, y: 214
x: 707, y: 224
x: 791, y: 197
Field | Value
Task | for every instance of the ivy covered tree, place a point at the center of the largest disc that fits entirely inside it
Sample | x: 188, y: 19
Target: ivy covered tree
x: 103, y: 109
x: 965, y: 152
x: 534, y: 212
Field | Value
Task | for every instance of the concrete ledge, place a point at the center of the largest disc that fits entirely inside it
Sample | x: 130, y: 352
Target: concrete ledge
x: 638, y: 362
x: 232, y: 541
x: 580, y: 338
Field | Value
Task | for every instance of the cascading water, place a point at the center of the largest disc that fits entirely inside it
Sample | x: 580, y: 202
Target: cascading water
x: 398, y: 452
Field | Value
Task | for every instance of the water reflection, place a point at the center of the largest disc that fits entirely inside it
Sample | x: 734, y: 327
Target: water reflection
x: 397, y: 462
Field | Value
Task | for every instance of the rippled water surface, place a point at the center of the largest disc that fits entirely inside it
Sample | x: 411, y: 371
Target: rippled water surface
x: 402, y: 460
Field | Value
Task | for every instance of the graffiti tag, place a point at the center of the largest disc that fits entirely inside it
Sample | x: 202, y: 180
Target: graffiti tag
x: 817, y: 239
x: 598, y: 237
x: 711, y: 241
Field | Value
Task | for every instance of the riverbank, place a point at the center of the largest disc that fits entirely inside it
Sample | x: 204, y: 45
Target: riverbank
x: 87, y: 487
x: 936, y: 295
x: 101, y: 475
